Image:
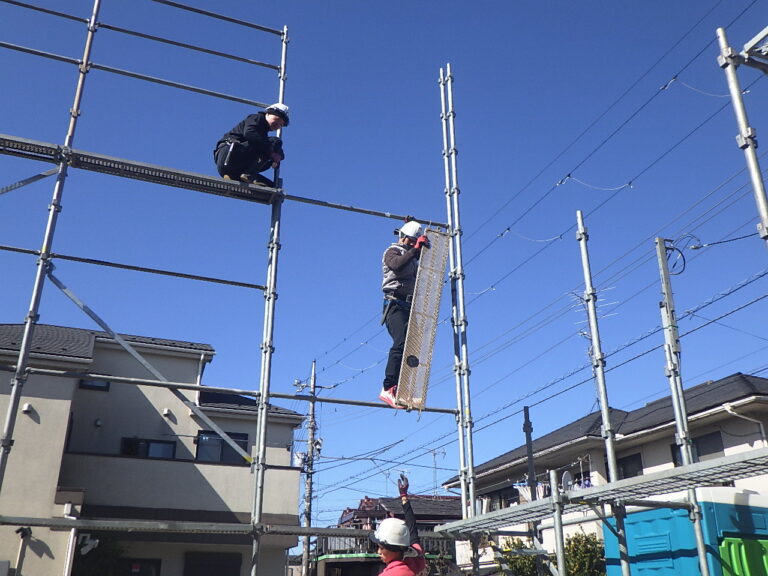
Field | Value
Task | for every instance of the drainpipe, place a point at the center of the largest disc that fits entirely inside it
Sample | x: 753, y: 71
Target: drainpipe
x: 25, y: 533
x: 71, y: 542
x: 729, y: 408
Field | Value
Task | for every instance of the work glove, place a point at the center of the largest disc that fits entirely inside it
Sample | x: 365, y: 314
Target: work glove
x: 402, y: 485
x: 421, y: 241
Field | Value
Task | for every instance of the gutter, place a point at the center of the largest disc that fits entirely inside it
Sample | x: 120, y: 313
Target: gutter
x: 728, y: 407
x: 697, y: 416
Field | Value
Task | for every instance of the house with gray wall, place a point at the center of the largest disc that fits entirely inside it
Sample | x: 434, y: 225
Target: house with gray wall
x: 98, y: 449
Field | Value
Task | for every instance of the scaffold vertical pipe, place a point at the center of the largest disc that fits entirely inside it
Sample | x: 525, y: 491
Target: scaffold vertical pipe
x: 283, y: 74
x: 674, y: 375
x: 20, y: 375
x: 728, y: 61
x: 557, y: 517
x: 459, y: 320
x: 459, y: 279
x: 454, y: 301
x: 598, y: 369
x: 267, y: 349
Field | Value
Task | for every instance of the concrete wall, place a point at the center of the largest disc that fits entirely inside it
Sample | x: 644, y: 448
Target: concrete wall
x: 271, y: 562
x: 151, y: 483
x: 29, y: 484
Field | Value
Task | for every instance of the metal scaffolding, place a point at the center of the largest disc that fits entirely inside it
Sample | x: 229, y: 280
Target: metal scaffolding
x: 65, y: 157
x: 617, y: 493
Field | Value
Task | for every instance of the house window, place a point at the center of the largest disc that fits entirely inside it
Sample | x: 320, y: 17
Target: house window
x: 145, y: 448
x: 100, y: 385
x: 630, y: 466
x: 212, y: 448
x: 138, y: 567
x: 704, y: 447
x: 504, y: 498
x: 207, y: 563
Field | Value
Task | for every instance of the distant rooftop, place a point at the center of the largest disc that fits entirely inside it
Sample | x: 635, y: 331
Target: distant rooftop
x: 78, y: 343
x: 698, y: 399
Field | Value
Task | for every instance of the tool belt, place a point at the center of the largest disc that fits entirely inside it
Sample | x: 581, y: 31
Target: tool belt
x: 390, y: 301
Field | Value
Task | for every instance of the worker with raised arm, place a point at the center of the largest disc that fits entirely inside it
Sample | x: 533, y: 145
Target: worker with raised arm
x: 399, y: 264
x: 398, y: 540
x: 248, y: 149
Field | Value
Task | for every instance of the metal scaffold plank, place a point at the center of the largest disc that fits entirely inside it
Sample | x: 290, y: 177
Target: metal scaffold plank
x: 743, y: 465
x: 47, y: 152
x: 422, y: 323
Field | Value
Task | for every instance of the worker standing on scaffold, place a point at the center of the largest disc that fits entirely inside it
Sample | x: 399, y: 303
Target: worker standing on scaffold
x: 399, y: 264
x: 248, y: 149
x: 398, y: 541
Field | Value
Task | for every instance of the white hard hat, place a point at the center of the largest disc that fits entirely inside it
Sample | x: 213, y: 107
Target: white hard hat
x: 392, y: 533
x: 279, y: 109
x: 412, y: 229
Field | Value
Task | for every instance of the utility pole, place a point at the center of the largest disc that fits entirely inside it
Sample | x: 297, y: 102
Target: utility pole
x: 598, y: 368
x: 755, y: 54
x: 672, y: 353
x: 309, y: 470
x: 532, y: 484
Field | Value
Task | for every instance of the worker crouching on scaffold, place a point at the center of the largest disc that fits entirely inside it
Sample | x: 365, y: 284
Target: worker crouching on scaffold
x: 398, y: 541
x: 248, y: 149
x: 399, y: 264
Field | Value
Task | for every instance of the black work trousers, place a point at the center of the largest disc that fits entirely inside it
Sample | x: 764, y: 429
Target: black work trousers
x: 234, y: 159
x: 397, y: 326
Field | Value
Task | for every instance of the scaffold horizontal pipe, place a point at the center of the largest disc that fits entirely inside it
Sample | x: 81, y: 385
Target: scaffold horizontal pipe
x: 136, y: 268
x: 125, y: 525
x: 162, y: 40
x: 83, y: 160
x: 308, y: 398
x: 127, y: 380
x: 187, y: 87
x: 220, y: 17
x: 400, y: 217
x: 46, y: 11
x: 171, y: 526
x: 644, y: 503
x: 34, y: 52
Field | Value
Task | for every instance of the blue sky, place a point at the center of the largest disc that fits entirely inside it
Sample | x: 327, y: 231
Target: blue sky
x: 622, y: 104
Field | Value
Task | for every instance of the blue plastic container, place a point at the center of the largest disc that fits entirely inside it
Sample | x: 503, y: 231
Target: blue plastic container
x: 661, y: 542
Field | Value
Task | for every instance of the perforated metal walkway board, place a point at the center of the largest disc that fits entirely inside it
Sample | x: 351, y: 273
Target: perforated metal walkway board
x: 742, y: 465
x: 422, y: 323
x: 47, y: 152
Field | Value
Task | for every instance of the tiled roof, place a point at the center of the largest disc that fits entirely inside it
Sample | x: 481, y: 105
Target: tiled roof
x: 49, y: 340
x: 77, y: 342
x: 697, y: 398
x: 426, y: 507
x: 237, y: 402
x: 588, y: 426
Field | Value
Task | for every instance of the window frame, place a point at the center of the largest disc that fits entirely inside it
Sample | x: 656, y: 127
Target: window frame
x: 125, y: 441
x: 226, y: 454
x: 94, y: 384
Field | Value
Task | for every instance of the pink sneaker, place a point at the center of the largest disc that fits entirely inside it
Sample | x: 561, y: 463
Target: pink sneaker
x: 388, y: 396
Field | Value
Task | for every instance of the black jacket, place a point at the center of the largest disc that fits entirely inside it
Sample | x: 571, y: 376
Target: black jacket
x: 254, y: 130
